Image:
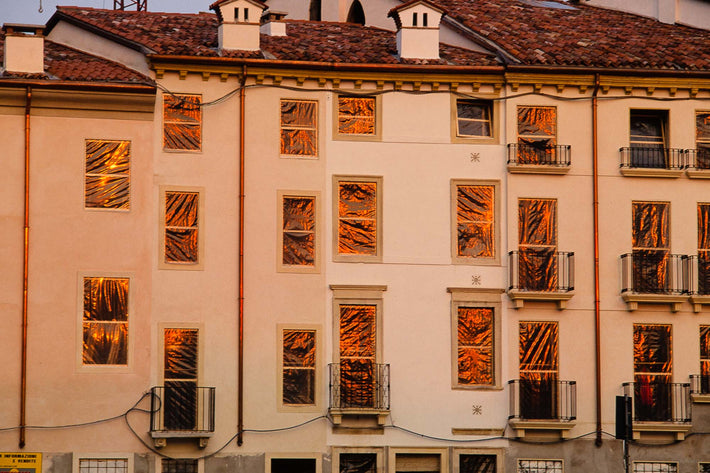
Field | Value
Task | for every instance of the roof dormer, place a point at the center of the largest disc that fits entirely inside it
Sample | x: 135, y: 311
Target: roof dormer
x: 238, y: 23
x: 417, y: 24
x: 24, y: 48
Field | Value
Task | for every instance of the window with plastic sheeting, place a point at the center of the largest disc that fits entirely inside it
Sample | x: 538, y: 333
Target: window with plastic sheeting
x: 537, y: 134
x: 704, y: 248
x: 537, y: 244
x: 103, y: 465
x: 418, y: 462
x: 299, y: 128
x: 474, y: 118
x: 702, y: 139
x: 107, y: 183
x: 294, y: 465
x: 540, y: 466
x: 358, y: 463
x: 182, y: 122
x: 652, y: 372
x: 475, y: 346
x: 182, y: 238
x: 357, y: 213
x: 655, y: 467
x: 704, y: 467
x: 180, y: 377
x: 357, y: 116
x: 298, y: 367
x: 650, y: 241
x: 647, y: 138
x: 705, y: 359
x: 358, y: 355
x: 105, y: 321
x: 539, y: 366
x: 475, y: 237
x: 299, y: 232
x: 478, y: 463
x: 178, y: 465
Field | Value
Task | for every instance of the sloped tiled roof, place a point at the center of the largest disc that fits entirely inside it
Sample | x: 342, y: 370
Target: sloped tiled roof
x: 573, y: 34
x: 68, y: 64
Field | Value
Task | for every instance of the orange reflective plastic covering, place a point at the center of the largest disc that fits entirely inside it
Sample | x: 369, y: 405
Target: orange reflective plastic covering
x: 356, y: 115
x: 181, y: 227
x: 298, y: 128
x: 650, y: 225
x: 105, y: 321
x: 702, y: 139
x: 475, y: 219
x: 357, y: 218
x: 539, y: 355
x: 182, y: 122
x: 357, y: 355
x: 475, y: 345
x: 107, y: 174
x: 180, y: 378
x: 537, y: 130
x: 704, y: 248
x: 537, y: 234
x: 652, y: 371
x: 299, y: 231
x: 299, y: 363
x: 705, y: 358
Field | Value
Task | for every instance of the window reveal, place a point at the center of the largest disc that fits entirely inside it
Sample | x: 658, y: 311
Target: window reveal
x: 704, y: 248
x: 180, y: 377
x: 650, y: 246
x: 356, y: 115
x: 539, y: 365
x: 537, y: 134
x: 299, y: 132
x: 702, y: 139
x: 357, y: 218
x: 105, y: 321
x: 107, y: 174
x: 473, y: 118
x: 182, y: 122
x: 357, y: 355
x: 299, y: 367
x: 537, y: 244
x: 293, y: 465
x: 652, y: 372
x: 299, y: 220
x: 181, y: 227
x: 475, y: 346
x: 475, y: 215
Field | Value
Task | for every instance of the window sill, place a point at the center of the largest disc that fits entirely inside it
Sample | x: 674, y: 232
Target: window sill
x: 658, y: 430
x: 698, y: 173
x: 338, y: 414
x: 540, y: 428
x: 698, y: 301
x: 519, y: 297
x: 701, y: 398
x: 160, y: 439
x: 633, y: 299
x: 537, y: 169
x: 651, y: 172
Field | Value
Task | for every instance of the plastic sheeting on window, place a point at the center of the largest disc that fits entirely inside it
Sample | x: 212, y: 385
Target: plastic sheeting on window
x: 181, y: 218
x: 299, y: 218
x: 182, y: 118
x: 477, y: 463
x: 298, y: 128
x: 180, y: 375
x: 357, y: 355
x: 539, y: 355
x: 475, y: 221
x: 702, y: 137
x: 358, y: 463
x: 357, y: 213
x: 107, y: 174
x: 650, y: 241
x: 299, y: 364
x: 475, y: 345
x: 356, y: 115
x: 537, y: 250
x: 704, y: 249
x: 705, y: 358
x: 473, y: 118
x: 105, y: 321
x: 537, y: 132
x: 652, y: 371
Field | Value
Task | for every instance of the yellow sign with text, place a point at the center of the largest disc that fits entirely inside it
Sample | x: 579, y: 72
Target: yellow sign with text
x: 14, y: 462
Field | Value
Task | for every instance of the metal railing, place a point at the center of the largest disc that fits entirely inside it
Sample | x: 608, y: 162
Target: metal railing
x: 541, y: 270
x: 359, y: 385
x: 182, y: 407
x: 650, y: 157
x: 699, y: 159
x: 539, y: 154
x: 699, y: 384
x: 543, y: 399
x: 654, y: 272
x: 658, y: 401
x: 699, y: 274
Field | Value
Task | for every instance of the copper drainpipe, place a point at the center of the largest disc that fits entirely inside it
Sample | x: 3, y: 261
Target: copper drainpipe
x: 25, y: 270
x: 597, y: 310
x: 240, y: 364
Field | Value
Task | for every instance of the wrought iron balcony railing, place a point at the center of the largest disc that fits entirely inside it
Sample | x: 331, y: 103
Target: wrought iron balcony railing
x: 654, y: 272
x: 540, y: 154
x: 541, y: 270
x: 658, y: 401
x: 543, y: 399
x: 651, y: 157
x: 359, y: 384
x: 699, y: 159
x: 182, y: 407
x: 699, y: 384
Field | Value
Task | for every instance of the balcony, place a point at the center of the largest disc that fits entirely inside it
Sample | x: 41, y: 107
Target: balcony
x: 652, y: 161
x: 540, y: 275
x: 699, y: 163
x: 654, y: 277
x: 182, y: 411
x: 659, y: 408
x: 542, y: 406
x: 538, y: 158
x: 359, y: 388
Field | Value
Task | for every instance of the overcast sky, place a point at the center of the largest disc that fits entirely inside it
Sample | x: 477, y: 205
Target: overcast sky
x: 27, y: 11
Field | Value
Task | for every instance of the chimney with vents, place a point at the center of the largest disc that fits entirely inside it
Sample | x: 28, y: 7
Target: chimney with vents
x: 272, y: 24
x: 238, y: 23
x: 417, y: 24
x: 24, y: 48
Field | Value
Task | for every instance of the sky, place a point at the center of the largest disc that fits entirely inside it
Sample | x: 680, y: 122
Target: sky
x: 27, y: 11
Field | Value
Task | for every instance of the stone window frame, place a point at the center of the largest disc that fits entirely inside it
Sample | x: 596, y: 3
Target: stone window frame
x: 199, y: 265
x: 317, y: 405
x: 318, y: 233
x: 394, y: 451
x: 495, y: 111
x: 318, y: 150
x: 358, y: 258
x: 497, y: 216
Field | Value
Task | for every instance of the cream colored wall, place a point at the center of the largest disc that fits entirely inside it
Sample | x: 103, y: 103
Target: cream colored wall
x: 694, y: 13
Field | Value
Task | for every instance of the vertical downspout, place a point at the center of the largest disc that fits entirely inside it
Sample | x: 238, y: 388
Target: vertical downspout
x: 240, y: 368
x: 25, y: 270
x: 597, y: 310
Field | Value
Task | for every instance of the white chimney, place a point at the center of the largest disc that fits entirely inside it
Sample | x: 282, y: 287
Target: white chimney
x: 667, y: 11
x: 24, y: 48
x: 417, y: 24
x: 238, y: 23
x: 272, y: 24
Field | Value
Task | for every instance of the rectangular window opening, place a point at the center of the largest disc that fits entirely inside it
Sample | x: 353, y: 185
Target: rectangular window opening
x: 358, y: 463
x: 475, y: 346
x: 181, y: 227
x: 474, y: 118
x: 477, y: 463
x: 648, y: 138
x: 418, y: 462
x: 107, y: 184
x: 180, y: 377
x: 539, y: 370
x: 356, y: 115
x: 293, y: 465
x: 537, y: 135
x: 358, y: 210
x: 538, y: 265
x: 179, y: 465
x: 650, y: 242
x: 105, y: 321
x: 299, y: 367
x: 653, y: 371
x: 702, y: 140
x: 540, y: 466
x: 655, y: 467
x: 475, y: 219
x: 103, y: 465
x: 299, y: 128
x: 182, y: 122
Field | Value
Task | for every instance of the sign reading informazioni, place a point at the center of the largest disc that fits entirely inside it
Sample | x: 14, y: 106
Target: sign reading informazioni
x: 13, y: 462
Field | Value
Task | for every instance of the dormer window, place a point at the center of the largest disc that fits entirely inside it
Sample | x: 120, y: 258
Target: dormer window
x: 425, y: 18
x: 236, y: 14
x: 246, y: 14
